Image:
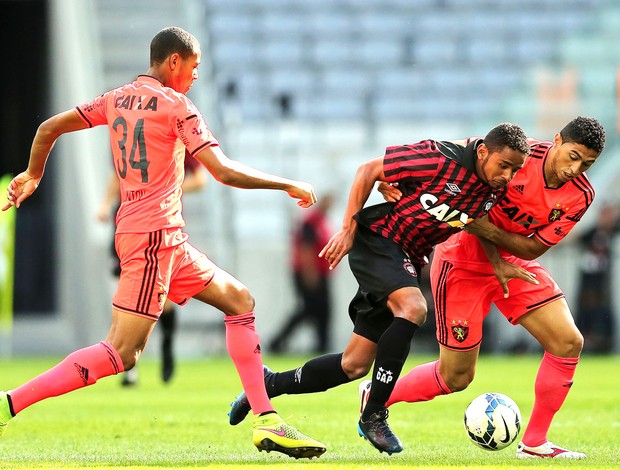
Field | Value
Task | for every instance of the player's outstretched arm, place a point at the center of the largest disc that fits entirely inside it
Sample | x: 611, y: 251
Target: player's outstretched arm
x: 523, y: 247
x: 234, y: 173
x: 24, y: 184
x: 365, y: 178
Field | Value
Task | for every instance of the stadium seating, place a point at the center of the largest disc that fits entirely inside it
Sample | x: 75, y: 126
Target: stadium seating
x: 437, y: 43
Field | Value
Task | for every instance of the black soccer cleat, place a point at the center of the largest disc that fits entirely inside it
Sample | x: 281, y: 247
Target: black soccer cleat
x: 240, y: 408
x: 377, y: 431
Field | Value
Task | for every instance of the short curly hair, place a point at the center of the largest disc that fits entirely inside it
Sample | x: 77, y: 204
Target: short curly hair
x: 172, y: 40
x: 507, y: 135
x: 586, y: 131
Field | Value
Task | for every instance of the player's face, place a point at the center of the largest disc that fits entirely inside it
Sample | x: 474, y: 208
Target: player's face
x: 186, y: 72
x: 567, y: 161
x: 499, y: 167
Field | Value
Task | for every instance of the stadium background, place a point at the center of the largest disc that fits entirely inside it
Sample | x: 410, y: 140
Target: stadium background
x: 303, y: 88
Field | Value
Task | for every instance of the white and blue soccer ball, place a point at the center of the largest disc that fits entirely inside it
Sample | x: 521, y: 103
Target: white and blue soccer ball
x: 492, y: 421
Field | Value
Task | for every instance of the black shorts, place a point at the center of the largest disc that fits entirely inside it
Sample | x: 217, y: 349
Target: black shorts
x: 380, y: 267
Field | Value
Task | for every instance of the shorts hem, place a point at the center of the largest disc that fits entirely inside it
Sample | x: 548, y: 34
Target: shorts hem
x: 149, y: 316
x: 464, y: 349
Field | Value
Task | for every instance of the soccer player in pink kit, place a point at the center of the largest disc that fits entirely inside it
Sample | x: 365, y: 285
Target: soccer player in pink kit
x: 151, y: 122
x: 543, y: 203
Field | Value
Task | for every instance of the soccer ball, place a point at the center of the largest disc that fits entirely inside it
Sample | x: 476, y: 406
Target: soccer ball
x: 492, y: 421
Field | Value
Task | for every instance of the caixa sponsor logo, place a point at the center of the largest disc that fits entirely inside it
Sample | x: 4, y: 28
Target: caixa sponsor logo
x: 443, y: 212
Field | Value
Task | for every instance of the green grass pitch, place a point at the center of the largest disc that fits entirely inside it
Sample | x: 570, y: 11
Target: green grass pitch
x: 184, y: 424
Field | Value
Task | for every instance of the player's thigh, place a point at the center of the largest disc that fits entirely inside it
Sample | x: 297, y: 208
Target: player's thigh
x: 462, y: 298
x: 227, y: 294
x: 554, y: 328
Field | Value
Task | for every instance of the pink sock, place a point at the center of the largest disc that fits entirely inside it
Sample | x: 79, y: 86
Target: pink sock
x: 422, y: 383
x: 77, y: 370
x: 243, y: 347
x: 553, y: 382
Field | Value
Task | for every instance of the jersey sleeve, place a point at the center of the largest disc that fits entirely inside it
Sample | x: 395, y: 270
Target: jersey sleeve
x: 93, y: 113
x: 190, y: 164
x: 419, y: 162
x: 191, y: 128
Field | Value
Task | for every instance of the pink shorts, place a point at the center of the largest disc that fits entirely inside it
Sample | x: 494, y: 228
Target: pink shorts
x: 156, y: 266
x: 463, y: 291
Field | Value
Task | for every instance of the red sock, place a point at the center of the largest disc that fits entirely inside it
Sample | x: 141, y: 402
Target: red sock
x: 243, y: 347
x: 77, y: 370
x: 553, y: 382
x: 422, y: 383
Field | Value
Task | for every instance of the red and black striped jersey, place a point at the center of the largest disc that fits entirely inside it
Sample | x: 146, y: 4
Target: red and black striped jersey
x: 441, y: 193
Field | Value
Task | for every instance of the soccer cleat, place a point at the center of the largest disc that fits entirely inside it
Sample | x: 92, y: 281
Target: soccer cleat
x: 241, y: 406
x: 377, y: 431
x: 548, y: 450
x: 5, y: 412
x: 271, y: 433
x: 364, y: 392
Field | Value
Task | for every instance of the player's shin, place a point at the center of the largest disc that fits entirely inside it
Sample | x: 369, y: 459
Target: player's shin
x: 422, y: 383
x: 243, y: 346
x: 553, y: 382
x: 79, y: 369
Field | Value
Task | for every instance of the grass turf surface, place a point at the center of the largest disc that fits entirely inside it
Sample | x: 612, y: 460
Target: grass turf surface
x: 184, y: 424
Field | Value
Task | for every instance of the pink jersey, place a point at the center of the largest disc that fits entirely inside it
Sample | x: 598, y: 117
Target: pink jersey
x: 531, y: 208
x: 150, y: 127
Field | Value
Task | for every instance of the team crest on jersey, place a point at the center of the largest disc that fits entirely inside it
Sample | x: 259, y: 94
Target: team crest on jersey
x: 460, y: 330
x: 410, y: 268
x: 557, y: 212
x: 488, y: 205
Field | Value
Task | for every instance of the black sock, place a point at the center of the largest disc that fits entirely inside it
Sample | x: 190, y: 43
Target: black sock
x: 392, y: 350
x: 316, y: 375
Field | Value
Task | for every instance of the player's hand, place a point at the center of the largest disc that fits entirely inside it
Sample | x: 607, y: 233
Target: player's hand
x: 20, y: 188
x: 337, y: 247
x: 390, y: 192
x: 505, y: 271
x: 304, y: 192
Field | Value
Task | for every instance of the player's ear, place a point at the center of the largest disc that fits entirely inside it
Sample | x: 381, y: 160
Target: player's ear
x: 173, y: 60
x: 482, y: 151
x: 557, y: 140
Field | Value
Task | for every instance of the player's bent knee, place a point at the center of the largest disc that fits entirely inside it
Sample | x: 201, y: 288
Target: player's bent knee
x: 571, y: 346
x: 242, y: 301
x: 416, y: 314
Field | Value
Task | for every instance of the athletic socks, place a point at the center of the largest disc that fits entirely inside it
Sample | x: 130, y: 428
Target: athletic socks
x: 422, y: 383
x: 392, y: 350
x: 243, y: 346
x: 553, y: 382
x: 316, y: 375
x: 79, y: 369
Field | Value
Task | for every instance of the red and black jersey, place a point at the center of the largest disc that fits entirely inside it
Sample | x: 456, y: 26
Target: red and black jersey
x: 441, y: 193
